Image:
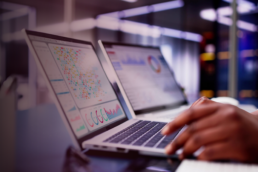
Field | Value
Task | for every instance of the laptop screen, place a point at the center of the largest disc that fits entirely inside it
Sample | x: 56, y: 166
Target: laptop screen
x: 75, y: 74
x: 145, y: 76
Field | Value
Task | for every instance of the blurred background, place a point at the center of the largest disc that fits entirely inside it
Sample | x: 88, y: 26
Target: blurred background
x: 192, y: 34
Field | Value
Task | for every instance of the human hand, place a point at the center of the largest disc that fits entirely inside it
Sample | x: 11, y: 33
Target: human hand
x: 202, y: 101
x: 225, y: 132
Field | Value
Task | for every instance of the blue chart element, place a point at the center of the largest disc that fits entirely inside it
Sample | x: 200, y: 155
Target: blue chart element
x: 117, y: 65
x: 63, y: 93
x: 131, y: 61
x: 114, y: 113
x: 53, y: 80
x: 72, y: 109
x: 94, y: 119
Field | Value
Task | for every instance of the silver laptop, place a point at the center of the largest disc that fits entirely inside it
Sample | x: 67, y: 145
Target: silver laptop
x: 93, y: 110
x: 145, y: 80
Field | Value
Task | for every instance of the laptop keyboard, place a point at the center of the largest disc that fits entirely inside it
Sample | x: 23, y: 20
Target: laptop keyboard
x: 143, y: 133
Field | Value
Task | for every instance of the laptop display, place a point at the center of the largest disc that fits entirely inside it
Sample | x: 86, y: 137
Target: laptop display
x: 145, y: 76
x: 87, y: 99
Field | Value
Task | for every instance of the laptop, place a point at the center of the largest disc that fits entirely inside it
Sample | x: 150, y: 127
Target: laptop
x: 145, y: 80
x: 93, y: 111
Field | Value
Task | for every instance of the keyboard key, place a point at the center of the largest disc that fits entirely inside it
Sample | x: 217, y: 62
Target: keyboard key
x: 116, y: 138
x: 154, y: 140
x: 122, y: 131
x: 139, y: 133
x: 149, y: 134
x: 167, y: 139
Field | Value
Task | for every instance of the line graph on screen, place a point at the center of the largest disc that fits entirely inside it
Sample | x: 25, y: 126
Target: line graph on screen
x: 112, y: 113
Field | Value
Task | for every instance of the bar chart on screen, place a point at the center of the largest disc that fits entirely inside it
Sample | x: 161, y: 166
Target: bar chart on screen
x: 72, y: 113
x: 133, y: 60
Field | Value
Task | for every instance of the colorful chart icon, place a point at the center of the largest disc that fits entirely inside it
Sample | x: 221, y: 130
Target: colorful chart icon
x: 114, y: 112
x: 154, y: 64
x: 103, y: 115
x: 100, y: 118
x: 89, y: 120
x: 94, y: 119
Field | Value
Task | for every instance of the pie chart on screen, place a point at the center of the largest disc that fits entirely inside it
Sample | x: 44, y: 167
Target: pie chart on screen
x: 154, y: 64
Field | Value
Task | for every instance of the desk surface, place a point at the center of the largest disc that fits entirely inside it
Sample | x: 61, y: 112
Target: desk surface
x: 42, y: 141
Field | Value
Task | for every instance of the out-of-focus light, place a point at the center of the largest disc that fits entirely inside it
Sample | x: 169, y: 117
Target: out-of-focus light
x: 247, y: 53
x: 83, y: 24
x: 224, y: 11
x: 245, y: 3
x: 155, y: 31
x: 136, y: 11
x: 210, y: 48
x: 108, y: 23
x: 225, y: 20
x: 182, y: 35
x: 207, y: 56
x: 243, y: 7
x: 112, y: 14
x: 172, y: 33
x: 145, y: 9
x: 129, y: 27
x: 246, y: 26
x: 131, y: 1
x: 192, y: 37
x: 55, y: 28
x: 140, y: 29
x: 227, y: 11
x: 223, y: 55
x: 246, y: 93
x: 144, y: 29
x: 168, y: 5
x: 209, y: 14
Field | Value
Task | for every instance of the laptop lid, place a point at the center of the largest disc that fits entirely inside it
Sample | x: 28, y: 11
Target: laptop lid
x: 86, y: 101
x: 145, y: 76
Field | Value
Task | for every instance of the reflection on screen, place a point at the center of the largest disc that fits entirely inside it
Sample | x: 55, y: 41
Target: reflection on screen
x: 79, y: 83
x: 145, y: 76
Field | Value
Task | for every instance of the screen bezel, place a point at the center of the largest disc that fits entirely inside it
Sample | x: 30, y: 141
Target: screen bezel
x: 58, y: 104
x: 151, y: 109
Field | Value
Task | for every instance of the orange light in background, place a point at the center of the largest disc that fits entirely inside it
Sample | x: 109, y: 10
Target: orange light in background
x: 207, y: 56
x: 246, y: 93
x: 223, y: 55
x: 207, y: 93
x: 222, y: 93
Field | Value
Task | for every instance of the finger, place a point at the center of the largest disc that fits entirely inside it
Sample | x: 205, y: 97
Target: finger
x: 189, y: 116
x: 197, y: 101
x: 201, y: 101
x: 219, y: 151
x: 197, y: 126
x: 203, y: 138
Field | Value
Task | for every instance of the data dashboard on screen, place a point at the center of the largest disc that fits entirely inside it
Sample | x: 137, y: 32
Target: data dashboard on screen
x: 79, y: 83
x: 145, y: 76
